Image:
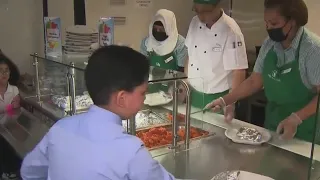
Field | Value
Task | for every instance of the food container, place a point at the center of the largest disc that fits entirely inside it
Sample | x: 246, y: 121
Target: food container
x: 147, y: 118
x: 161, y: 136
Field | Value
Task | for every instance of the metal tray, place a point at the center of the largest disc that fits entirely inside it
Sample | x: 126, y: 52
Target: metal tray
x: 148, y: 119
x: 168, y: 127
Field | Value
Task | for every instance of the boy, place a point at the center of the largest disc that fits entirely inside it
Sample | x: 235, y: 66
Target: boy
x: 94, y: 145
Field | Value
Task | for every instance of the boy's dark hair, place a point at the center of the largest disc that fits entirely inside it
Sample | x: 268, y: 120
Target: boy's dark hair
x: 290, y: 9
x: 114, y: 68
x: 14, y: 71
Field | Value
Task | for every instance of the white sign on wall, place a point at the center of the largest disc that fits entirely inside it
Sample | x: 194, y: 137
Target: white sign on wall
x: 143, y: 3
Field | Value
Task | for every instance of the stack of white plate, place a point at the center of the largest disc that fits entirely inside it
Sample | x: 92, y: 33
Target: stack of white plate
x: 80, y: 40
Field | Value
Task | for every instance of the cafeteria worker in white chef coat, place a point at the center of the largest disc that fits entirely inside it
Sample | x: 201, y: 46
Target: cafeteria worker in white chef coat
x: 217, y: 54
x: 288, y: 67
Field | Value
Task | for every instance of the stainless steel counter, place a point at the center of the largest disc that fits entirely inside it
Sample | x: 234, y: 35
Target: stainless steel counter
x: 22, y: 130
x: 212, y: 155
x: 206, y: 157
x: 43, y: 106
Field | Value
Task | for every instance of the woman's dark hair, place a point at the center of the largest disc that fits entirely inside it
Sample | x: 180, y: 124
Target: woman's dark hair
x: 291, y: 9
x: 14, y: 71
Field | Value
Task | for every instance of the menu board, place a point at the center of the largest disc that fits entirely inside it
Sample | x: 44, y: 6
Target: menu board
x: 52, y: 27
x: 106, y: 31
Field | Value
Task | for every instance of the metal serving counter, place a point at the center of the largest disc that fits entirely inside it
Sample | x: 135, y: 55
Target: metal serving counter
x: 22, y: 130
x: 205, y: 158
x: 214, y: 154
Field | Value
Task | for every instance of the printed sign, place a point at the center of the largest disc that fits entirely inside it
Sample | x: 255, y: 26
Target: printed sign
x: 143, y: 3
x: 106, y: 31
x: 52, y: 26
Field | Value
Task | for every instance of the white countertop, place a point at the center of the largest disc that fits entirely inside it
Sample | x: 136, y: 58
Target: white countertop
x: 295, y: 145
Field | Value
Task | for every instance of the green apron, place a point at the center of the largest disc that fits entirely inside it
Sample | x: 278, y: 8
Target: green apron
x: 168, y: 61
x: 200, y: 100
x: 286, y: 94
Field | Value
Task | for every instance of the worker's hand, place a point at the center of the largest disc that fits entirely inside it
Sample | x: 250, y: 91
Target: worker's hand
x: 288, y: 127
x: 229, y: 113
x: 218, y: 105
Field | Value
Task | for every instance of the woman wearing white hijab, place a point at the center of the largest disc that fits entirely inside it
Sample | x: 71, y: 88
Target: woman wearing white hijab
x: 164, y: 46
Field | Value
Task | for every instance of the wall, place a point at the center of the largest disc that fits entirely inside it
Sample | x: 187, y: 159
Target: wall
x: 21, y: 31
x: 314, y: 7
x: 138, y: 19
x: 63, y: 9
x: 250, y: 19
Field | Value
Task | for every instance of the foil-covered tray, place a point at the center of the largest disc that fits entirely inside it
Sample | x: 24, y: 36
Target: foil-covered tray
x: 147, y: 118
x: 158, y: 98
x: 63, y: 102
x: 228, y: 175
x: 161, y: 136
x: 249, y: 134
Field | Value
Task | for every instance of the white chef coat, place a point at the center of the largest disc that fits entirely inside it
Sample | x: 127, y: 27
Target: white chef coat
x: 12, y: 91
x: 214, y: 53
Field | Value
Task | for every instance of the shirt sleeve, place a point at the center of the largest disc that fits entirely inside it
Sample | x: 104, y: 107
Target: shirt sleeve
x: 15, y: 91
x: 313, y: 68
x: 235, y: 55
x: 190, y: 34
x: 181, y: 51
x: 258, y: 67
x: 144, y: 167
x: 35, y: 164
x: 143, y: 47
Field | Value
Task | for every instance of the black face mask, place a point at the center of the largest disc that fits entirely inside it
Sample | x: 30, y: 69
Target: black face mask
x: 277, y: 35
x: 159, y: 36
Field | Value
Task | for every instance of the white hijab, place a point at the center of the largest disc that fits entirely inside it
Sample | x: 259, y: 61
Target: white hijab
x: 168, y: 19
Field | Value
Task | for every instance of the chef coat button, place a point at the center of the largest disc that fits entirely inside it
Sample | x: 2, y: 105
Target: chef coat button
x: 205, y: 51
x: 191, y: 64
x: 216, y: 35
x: 200, y: 27
x: 195, y: 46
x: 197, y: 69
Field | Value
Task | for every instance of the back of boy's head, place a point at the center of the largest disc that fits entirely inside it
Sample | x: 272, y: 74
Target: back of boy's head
x: 114, y: 68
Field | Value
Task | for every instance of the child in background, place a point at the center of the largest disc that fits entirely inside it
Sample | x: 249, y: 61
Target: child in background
x: 9, y: 100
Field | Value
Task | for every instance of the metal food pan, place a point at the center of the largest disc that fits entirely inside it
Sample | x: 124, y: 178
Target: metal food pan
x: 169, y: 128
x: 149, y: 119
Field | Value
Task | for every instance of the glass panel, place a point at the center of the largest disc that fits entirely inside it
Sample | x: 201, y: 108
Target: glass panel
x: 83, y: 100
x: 314, y: 172
x: 157, y: 115
x: 53, y: 86
x: 65, y: 60
x: 79, y: 61
x: 157, y: 74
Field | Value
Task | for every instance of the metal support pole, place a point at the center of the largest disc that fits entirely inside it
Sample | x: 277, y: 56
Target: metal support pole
x: 127, y: 128
x: 72, y: 88
x: 133, y: 126
x: 175, y: 112
x: 187, y: 116
x: 37, y: 82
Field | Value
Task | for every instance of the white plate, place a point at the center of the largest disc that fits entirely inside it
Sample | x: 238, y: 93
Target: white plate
x: 81, y: 38
x: 80, y: 29
x: 231, y: 133
x: 157, y: 99
x: 244, y: 175
x: 77, y: 43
